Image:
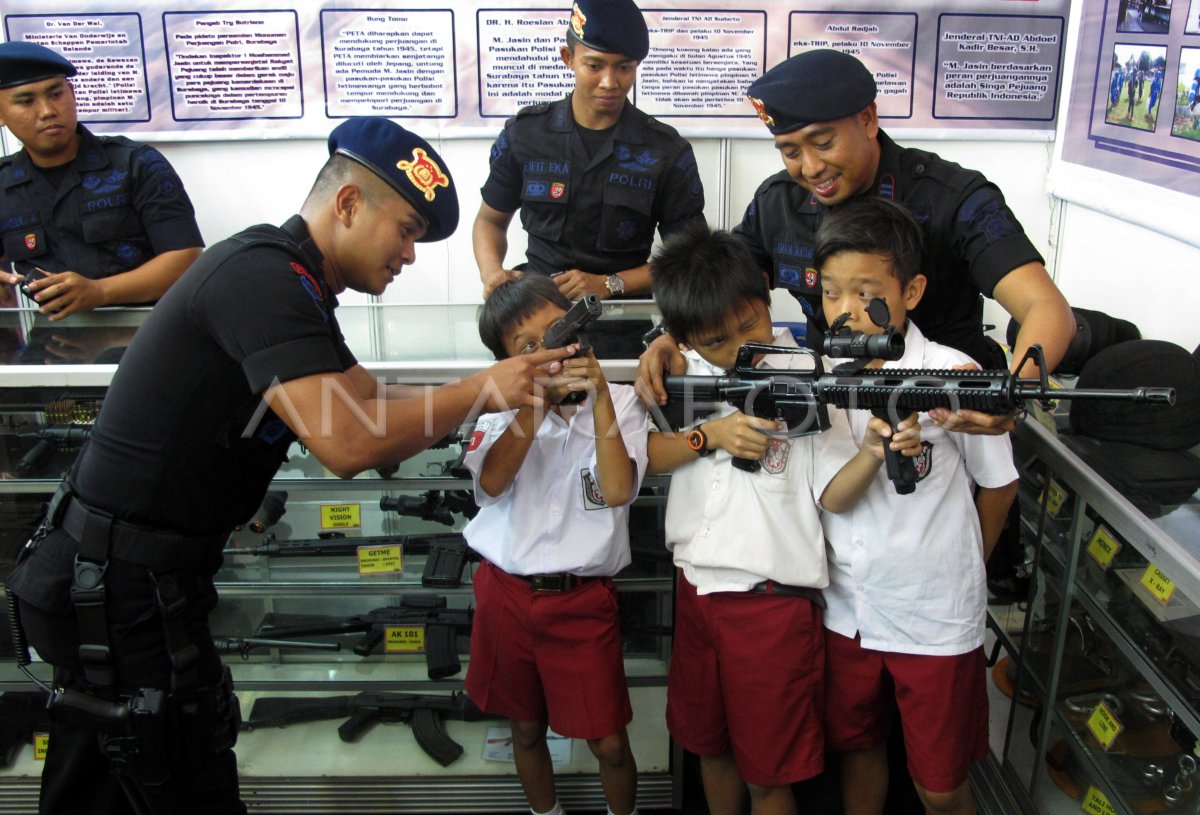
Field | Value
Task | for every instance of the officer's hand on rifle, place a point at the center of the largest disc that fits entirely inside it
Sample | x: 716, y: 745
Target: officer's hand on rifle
x: 906, y: 440
x: 973, y: 422
x: 740, y: 435
x: 661, y: 357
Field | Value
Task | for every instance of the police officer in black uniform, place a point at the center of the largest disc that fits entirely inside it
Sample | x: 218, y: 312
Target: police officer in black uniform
x: 235, y: 362
x: 820, y: 106
x: 85, y: 220
x: 592, y: 175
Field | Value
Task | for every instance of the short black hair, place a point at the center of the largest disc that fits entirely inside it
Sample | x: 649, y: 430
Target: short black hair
x: 872, y: 225
x: 513, y: 302
x: 700, y: 275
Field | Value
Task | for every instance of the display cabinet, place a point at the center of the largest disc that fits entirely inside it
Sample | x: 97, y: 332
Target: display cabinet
x: 339, y: 570
x: 1100, y: 665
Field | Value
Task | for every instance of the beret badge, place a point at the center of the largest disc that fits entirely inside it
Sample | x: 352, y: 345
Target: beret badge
x: 424, y: 173
x: 761, y: 110
x: 578, y: 20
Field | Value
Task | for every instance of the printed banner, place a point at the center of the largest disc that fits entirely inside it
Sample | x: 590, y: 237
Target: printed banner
x: 1134, y: 108
x: 458, y: 69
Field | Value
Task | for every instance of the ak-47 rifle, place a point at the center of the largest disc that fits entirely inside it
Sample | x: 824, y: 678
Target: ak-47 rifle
x: 22, y: 713
x: 425, y: 714
x: 242, y: 646
x: 800, y: 398
x: 442, y: 627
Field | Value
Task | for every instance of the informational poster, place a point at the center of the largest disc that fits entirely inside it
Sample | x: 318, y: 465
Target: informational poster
x: 1134, y: 109
x: 458, y: 69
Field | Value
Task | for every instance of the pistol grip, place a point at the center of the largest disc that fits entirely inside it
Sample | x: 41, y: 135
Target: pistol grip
x: 900, y: 469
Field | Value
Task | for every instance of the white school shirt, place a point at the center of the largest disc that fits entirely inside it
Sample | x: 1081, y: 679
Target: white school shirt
x: 728, y: 529
x: 553, y: 517
x: 906, y: 572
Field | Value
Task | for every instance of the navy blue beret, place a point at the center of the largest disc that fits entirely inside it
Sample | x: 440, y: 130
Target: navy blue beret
x: 611, y: 26
x: 24, y: 62
x: 814, y: 86
x: 406, y: 162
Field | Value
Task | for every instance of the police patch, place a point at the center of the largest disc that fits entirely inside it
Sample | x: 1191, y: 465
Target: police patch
x: 592, y: 497
x: 924, y: 462
x: 776, y: 458
x: 31, y: 241
x: 810, y: 277
x: 557, y: 189
x: 424, y: 173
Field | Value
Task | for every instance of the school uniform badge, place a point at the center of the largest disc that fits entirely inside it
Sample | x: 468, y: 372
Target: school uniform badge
x: 923, y: 462
x: 776, y: 458
x: 592, y: 497
x: 479, y: 434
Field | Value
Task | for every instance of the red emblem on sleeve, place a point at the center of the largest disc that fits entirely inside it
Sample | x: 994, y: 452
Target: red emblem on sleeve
x: 31, y: 241
x: 557, y: 189
x: 810, y: 277
x: 424, y: 173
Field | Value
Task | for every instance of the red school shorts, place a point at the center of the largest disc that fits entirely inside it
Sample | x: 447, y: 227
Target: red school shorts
x: 942, y: 702
x: 548, y: 656
x: 747, y: 674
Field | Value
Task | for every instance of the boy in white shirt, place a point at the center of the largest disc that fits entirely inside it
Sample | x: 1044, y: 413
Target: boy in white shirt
x: 747, y: 669
x: 554, y: 489
x: 907, y: 591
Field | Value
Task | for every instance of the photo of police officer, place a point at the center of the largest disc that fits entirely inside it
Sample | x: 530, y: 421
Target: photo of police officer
x: 1186, y: 122
x: 1136, y: 77
x: 1144, y: 16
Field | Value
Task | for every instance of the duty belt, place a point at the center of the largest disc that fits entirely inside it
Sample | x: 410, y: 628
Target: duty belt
x: 157, y: 550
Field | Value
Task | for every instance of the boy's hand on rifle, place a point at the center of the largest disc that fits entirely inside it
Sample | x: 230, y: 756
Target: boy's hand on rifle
x: 740, y: 435
x: 663, y: 356
x: 906, y: 440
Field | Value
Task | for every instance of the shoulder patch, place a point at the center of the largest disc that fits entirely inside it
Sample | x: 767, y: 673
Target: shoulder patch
x: 540, y: 107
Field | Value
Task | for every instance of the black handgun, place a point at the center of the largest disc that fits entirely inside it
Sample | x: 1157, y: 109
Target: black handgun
x: 569, y: 329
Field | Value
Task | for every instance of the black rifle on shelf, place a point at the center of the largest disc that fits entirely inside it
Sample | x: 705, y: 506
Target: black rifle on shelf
x: 242, y: 646
x: 442, y: 628
x: 22, y: 713
x: 800, y: 398
x: 446, y: 553
x: 46, y: 441
x: 434, y: 505
x: 426, y: 714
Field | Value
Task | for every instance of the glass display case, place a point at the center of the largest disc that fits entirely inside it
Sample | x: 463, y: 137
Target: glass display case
x: 1100, y: 709
x: 345, y: 604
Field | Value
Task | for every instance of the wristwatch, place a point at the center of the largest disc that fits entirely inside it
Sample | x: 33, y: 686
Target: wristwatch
x: 697, y: 439
x: 615, y: 285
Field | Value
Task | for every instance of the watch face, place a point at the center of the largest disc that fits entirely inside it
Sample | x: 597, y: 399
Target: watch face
x: 696, y: 440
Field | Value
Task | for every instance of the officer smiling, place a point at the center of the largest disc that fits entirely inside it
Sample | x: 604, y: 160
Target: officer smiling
x: 592, y: 175
x: 87, y: 220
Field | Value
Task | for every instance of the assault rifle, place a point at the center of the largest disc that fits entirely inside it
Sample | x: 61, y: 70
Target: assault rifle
x: 445, y: 553
x: 425, y: 714
x: 800, y: 398
x: 442, y: 627
x: 22, y: 713
x: 569, y: 329
x: 434, y: 505
x: 242, y: 646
